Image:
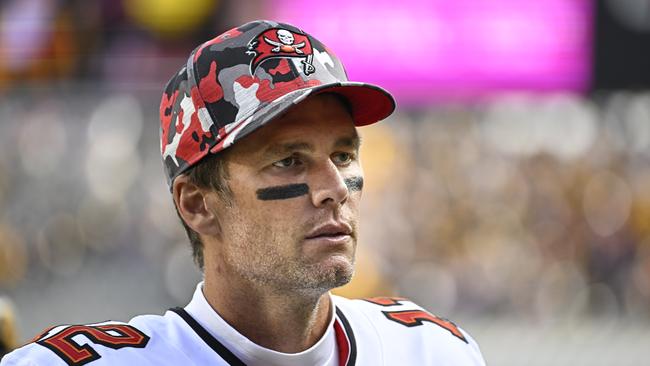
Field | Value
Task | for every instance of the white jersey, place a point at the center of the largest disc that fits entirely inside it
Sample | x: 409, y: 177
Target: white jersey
x: 377, y: 331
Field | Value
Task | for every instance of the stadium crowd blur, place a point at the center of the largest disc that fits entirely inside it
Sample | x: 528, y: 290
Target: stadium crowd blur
x: 529, y: 206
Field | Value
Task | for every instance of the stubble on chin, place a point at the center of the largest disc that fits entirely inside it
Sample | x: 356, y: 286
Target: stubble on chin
x: 335, y: 271
x: 296, y: 275
x: 264, y: 258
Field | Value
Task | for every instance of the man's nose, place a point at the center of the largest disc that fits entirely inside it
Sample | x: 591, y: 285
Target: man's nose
x: 327, y: 186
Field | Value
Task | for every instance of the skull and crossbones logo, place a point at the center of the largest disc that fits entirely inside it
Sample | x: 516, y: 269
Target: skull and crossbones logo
x: 281, y: 43
x: 286, y: 43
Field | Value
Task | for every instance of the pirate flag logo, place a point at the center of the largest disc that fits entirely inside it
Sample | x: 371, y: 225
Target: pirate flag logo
x: 281, y: 43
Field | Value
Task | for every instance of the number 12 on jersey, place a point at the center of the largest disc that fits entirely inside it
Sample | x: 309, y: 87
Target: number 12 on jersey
x: 414, y: 318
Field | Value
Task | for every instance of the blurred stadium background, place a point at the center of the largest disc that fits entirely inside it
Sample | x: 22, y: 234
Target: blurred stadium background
x: 510, y: 192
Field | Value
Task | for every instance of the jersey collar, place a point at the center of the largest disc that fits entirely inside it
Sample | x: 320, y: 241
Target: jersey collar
x: 233, y: 346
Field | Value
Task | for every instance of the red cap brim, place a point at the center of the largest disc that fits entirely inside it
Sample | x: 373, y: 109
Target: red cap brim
x: 369, y: 103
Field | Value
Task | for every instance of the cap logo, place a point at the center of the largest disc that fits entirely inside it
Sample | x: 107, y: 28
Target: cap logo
x: 278, y: 42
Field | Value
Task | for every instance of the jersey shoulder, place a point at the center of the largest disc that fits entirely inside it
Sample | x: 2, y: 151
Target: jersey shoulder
x: 141, y: 341
x: 405, y: 329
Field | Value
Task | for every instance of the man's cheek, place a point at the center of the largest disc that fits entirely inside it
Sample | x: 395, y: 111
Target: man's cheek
x: 354, y: 184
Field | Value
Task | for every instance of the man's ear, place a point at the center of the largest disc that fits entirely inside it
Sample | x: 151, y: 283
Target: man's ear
x: 193, y: 203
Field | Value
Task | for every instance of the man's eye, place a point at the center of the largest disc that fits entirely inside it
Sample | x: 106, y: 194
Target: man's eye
x: 287, y: 162
x: 343, y: 158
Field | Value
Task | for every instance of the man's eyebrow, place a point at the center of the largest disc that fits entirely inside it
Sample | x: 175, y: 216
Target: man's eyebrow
x: 353, y: 142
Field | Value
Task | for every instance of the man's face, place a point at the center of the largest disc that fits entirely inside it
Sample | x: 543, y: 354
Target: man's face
x: 296, y: 186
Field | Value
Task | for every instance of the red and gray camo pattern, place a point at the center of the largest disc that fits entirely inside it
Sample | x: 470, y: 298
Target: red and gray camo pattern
x: 242, y: 79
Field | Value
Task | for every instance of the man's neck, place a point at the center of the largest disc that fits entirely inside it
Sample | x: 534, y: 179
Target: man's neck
x: 284, y: 322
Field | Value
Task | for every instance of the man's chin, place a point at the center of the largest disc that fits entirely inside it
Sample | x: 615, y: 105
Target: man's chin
x: 335, y: 271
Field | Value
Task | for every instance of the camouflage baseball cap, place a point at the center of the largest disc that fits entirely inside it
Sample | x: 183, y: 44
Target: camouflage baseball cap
x: 243, y: 79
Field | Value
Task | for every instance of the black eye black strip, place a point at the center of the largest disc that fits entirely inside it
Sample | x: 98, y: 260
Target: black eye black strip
x: 354, y: 183
x: 282, y: 192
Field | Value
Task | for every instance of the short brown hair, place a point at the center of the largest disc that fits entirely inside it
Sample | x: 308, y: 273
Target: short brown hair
x: 210, y: 173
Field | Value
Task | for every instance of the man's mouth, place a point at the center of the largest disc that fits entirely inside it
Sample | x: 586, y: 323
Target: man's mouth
x: 332, y: 230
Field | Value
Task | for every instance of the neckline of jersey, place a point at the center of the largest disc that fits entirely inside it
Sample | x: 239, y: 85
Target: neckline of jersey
x: 345, y: 339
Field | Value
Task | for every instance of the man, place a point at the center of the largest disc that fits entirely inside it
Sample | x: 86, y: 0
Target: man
x: 261, y: 152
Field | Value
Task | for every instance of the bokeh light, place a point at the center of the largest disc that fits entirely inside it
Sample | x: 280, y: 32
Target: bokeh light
x: 60, y: 245
x: 113, y: 134
x: 13, y: 257
x: 607, y: 203
x: 170, y: 17
x: 42, y: 142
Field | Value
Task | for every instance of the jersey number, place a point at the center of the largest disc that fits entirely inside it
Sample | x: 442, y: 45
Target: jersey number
x: 414, y: 318
x: 114, y: 336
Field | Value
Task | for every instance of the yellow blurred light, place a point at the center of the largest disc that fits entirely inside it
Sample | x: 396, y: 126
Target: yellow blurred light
x: 8, y: 333
x: 13, y: 257
x: 378, y: 155
x: 170, y: 17
x: 607, y: 203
